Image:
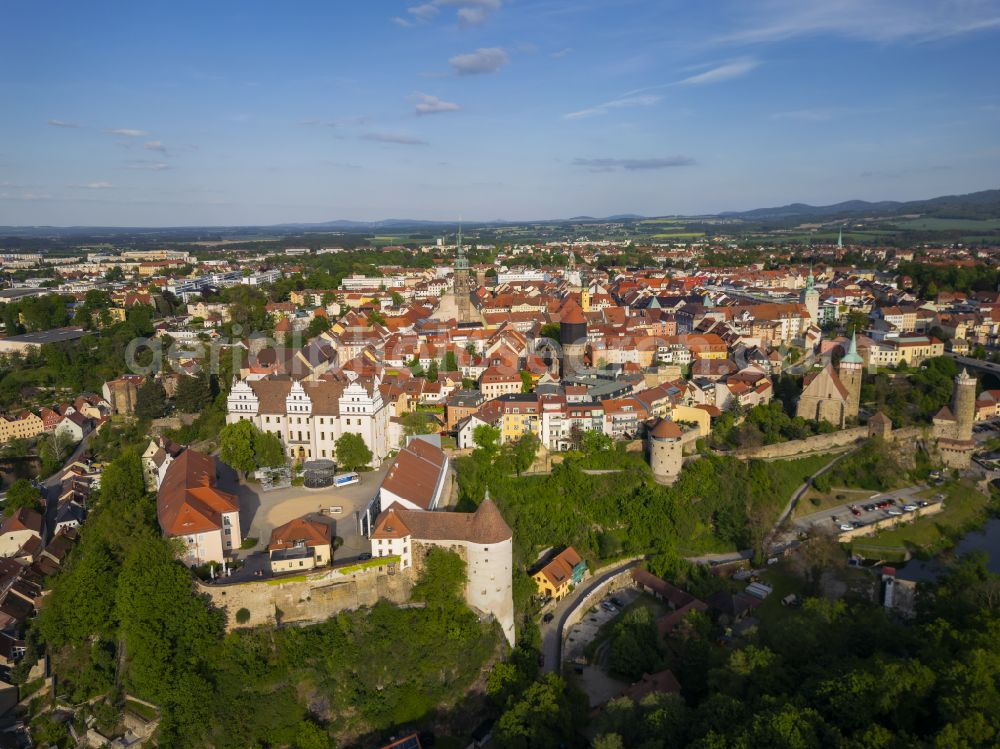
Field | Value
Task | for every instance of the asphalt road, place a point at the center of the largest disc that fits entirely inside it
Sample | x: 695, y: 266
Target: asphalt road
x: 552, y: 632
x: 50, y: 487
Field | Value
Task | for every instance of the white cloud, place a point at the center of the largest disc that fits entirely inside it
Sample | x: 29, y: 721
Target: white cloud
x: 646, y: 100
x: 472, y: 16
x: 155, y: 145
x: 631, y: 165
x: 126, y: 132
x: 867, y: 20
x: 63, y: 123
x: 724, y: 72
x: 468, y: 13
x: 95, y: 186
x: 561, y: 53
x: 804, y: 115
x: 427, y: 104
x: 147, y: 166
x: 396, y: 138
x: 483, y: 60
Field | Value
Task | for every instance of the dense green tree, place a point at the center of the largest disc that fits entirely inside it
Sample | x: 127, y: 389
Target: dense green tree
x: 486, y: 437
x: 237, y: 443
x: 319, y: 324
x: 22, y: 494
x: 546, y: 716
x: 527, y: 384
x: 432, y: 371
x: 268, y: 450
x: 193, y: 393
x: 150, y: 400
x: 450, y: 361
x: 352, y: 452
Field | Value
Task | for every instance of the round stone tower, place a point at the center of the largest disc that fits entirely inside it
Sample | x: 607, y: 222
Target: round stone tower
x: 665, y: 451
x: 963, y: 405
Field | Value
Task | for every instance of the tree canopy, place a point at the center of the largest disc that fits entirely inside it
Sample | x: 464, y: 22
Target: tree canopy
x: 352, y: 452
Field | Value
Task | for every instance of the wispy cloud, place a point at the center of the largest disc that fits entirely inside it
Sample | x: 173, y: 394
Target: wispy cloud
x: 126, y: 132
x: 645, y: 100
x: 867, y: 20
x: 427, y: 104
x: 468, y: 12
x: 805, y: 115
x: 145, y: 165
x: 355, y: 121
x: 483, y: 60
x: 725, y: 72
x: 95, y: 186
x: 63, y: 123
x: 397, y: 138
x: 632, y: 165
x: 561, y: 53
x: 155, y: 145
x: 27, y: 196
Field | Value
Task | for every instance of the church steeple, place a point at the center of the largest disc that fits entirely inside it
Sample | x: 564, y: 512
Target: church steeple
x: 840, y: 239
x: 852, y: 356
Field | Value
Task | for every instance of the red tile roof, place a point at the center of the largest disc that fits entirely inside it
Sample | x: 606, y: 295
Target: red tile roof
x: 188, y: 500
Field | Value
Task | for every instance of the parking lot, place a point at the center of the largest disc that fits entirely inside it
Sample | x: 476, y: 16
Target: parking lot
x: 583, y: 632
x: 261, y: 512
x: 862, y: 512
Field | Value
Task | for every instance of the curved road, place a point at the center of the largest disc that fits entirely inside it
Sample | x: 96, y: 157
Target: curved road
x: 552, y: 633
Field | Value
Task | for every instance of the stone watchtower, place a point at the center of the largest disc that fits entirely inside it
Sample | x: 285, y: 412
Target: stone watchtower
x: 851, y: 372
x: 963, y: 405
x: 880, y: 425
x: 666, y: 456
x: 572, y: 338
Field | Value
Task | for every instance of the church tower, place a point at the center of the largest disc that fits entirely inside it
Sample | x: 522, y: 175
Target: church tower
x: 851, y: 372
x: 463, y: 300
x: 810, y: 298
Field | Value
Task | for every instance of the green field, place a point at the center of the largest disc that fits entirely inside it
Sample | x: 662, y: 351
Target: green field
x: 945, y: 224
x: 679, y: 235
x: 647, y: 221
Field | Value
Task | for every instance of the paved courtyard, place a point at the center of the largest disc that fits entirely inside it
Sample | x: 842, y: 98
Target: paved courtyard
x: 261, y: 512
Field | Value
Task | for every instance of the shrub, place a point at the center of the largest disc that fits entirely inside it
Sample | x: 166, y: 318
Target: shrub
x: 243, y: 616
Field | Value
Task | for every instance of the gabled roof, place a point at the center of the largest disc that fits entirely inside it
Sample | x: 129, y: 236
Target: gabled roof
x: 309, y: 531
x: 188, y: 500
x: 23, y: 519
x: 559, y: 570
x: 484, y: 526
x: 415, y: 473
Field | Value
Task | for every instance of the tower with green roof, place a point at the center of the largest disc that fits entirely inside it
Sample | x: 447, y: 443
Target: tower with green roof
x: 851, y: 372
x: 810, y: 298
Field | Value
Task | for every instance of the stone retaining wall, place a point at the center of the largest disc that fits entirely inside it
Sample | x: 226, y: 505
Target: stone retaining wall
x: 891, y: 522
x: 314, y: 599
x: 821, y: 443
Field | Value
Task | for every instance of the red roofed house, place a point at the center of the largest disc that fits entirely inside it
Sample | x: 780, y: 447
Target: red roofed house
x: 190, y: 506
x: 565, y: 569
x: 23, y: 526
x: 301, y: 544
x: 416, y: 478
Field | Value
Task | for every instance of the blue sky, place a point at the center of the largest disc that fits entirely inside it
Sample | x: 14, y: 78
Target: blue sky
x: 180, y: 113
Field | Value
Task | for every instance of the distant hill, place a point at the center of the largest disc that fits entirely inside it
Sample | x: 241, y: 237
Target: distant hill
x: 975, y: 205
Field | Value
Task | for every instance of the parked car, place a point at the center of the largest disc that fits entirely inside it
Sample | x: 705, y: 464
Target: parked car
x: 548, y: 617
x: 846, y: 526
x: 922, y: 503
x: 833, y: 518
x: 617, y: 602
x: 909, y: 508
x: 893, y: 511
x: 855, y: 511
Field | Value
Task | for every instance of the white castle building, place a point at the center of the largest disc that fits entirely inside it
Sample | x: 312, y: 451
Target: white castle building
x: 481, y: 538
x: 309, y: 415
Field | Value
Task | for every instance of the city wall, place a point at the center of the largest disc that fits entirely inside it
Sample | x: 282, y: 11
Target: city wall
x: 313, y: 599
x: 821, y: 443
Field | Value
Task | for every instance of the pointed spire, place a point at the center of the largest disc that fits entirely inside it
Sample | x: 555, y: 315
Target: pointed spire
x: 840, y: 239
x: 853, y: 357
